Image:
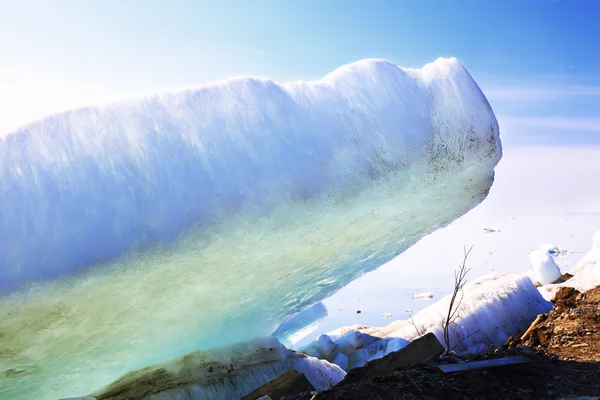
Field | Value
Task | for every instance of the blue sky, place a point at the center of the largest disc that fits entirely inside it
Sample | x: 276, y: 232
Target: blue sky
x: 536, y: 60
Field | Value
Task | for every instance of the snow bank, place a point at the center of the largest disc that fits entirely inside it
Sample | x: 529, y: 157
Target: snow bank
x: 493, y: 308
x: 586, y: 273
x: 226, y: 373
x: 148, y: 229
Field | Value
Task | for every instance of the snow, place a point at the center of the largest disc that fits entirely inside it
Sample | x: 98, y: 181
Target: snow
x: 586, y: 273
x: 230, y: 373
x: 591, y: 259
x: 140, y: 231
x: 545, y: 270
x: 493, y: 308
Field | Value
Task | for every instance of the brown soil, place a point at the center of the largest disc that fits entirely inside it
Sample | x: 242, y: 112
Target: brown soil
x: 572, y: 329
x: 565, y: 348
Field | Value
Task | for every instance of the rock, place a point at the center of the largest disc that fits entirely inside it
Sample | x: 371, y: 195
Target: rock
x: 566, y: 295
x: 289, y: 383
x: 417, y: 351
x: 526, y: 350
x: 543, y: 337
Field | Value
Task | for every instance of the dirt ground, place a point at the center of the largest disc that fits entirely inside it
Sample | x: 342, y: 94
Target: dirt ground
x: 565, y: 348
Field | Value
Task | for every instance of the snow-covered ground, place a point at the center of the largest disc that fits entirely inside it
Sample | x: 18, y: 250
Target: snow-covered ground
x: 484, y: 314
x: 586, y: 273
x: 541, y: 194
x: 488, y: 311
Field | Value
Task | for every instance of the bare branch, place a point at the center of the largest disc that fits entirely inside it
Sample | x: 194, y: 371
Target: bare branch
x: 456, y: 301
x: 420, y: 331
x: 460, y: 339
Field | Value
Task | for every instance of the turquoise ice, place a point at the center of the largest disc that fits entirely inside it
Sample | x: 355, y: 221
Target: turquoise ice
x: 142, y: 230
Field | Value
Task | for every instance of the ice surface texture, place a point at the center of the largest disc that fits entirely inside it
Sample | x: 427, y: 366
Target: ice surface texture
x: 224, y: 373
x: 143, y: 230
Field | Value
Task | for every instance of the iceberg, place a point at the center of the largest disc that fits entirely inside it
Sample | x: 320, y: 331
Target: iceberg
x: 143, y: 230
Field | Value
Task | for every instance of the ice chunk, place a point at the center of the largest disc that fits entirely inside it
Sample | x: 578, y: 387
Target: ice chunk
x: 363, y: 355
x: 325, y: 346
x: 490, y: 230
x: 586, y: 274
x: 341, y: 360
x: 140, y: 231
x: 423, y: 296
x: 545, y: 269
x: 300, y: 321
x: 396, y: 344
x: 354, y: 340
x: 357, y: 346
x: 225, y: 373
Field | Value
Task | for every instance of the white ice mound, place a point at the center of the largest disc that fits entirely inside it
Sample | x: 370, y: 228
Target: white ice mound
x: 586, y: 273
x: 351, y: 347
x: 140, y: 231
x: 545, y: 270
x: 225, y: 373
x: 493, y: 308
